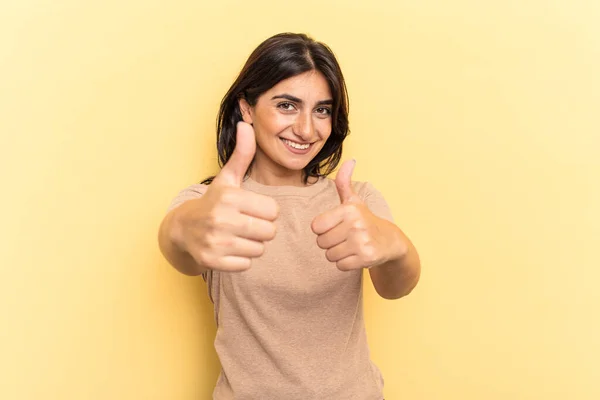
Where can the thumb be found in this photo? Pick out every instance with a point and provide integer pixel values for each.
(343, 182)
(235, 169)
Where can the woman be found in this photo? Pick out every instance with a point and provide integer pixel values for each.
(281, 246)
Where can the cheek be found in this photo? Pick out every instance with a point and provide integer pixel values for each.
(323, 128)
(273, 122)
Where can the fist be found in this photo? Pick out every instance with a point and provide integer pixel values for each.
(351, 235)
(228, 226)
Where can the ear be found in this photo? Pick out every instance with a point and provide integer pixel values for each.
(246, 110)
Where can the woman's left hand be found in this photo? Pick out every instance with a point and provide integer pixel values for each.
(351, 234)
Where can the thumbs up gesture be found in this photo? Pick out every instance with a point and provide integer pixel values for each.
(351, 234)
(227, 226)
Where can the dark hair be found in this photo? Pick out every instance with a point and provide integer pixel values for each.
(281, 57)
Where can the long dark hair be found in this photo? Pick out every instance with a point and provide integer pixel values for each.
(280, 57)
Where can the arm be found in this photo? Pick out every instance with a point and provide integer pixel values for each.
(398, 276)
(360, 233)
(171, 245)
(220, 226)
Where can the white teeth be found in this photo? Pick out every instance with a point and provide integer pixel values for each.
(296, 145)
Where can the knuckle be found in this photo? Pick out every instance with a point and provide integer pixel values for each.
(358, 224)
(225, 242)
(229, 197)
(220, 221)
(217, 243)
(205, 258)
(211, 240)
(359, 237)
(351, 210)
(215, 220)
(369, 255)
(247, 223)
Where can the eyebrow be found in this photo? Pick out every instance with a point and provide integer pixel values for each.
(299, 101)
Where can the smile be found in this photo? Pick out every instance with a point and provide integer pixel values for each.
(297, 146)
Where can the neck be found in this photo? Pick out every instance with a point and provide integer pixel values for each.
(267, 172)
(272, 177)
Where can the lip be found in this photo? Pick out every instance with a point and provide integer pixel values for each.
(296, 151)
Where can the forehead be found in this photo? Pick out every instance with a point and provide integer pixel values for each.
(308, 86)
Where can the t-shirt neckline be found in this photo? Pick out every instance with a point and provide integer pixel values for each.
(286, 190)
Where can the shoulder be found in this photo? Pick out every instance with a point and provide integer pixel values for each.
(373, 198)
(189, 193)
(365, 190)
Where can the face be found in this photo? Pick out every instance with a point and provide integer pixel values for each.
(292, 122)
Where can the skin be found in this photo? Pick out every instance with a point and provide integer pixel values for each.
(305, 120)
(298, 109)
(227, 227)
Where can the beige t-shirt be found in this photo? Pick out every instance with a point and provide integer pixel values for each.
(291, 327)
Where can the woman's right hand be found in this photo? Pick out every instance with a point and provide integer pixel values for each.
(228, 226)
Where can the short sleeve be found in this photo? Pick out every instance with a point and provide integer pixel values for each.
(191, 192)
(374, 200)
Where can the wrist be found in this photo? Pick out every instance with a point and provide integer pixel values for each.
(398, 249)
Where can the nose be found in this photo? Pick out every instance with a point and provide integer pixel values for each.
(303, 126)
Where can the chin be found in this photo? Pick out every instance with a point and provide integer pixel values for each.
(294, 166)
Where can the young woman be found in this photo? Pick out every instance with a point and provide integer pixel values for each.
(281, 246)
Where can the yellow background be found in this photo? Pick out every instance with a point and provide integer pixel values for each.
(477, 120)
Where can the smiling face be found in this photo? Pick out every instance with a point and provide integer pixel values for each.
(292, 122)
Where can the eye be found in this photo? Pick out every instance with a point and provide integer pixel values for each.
(324, 111)
(285, 106)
